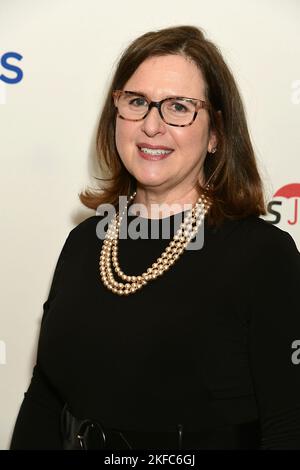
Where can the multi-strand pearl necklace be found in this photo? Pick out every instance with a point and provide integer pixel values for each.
(109, 252)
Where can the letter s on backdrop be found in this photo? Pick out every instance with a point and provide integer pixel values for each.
(6, 65)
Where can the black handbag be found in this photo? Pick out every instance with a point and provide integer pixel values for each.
(87, 434)
(81, 434)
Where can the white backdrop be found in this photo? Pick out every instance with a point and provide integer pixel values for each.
(67, 50)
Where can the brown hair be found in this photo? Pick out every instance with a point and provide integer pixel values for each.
(235, 185)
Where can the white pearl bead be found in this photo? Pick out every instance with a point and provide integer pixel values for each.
(109, 251)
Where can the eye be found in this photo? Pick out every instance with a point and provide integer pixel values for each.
(138, 101)
(177, 107)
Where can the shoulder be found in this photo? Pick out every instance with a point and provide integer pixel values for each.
(86, 226)
(256, 243)
(84, 232)
(271, 251)
(253, 231)
(263, 258)
(263, 235)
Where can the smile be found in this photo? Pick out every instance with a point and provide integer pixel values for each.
(155, 151)
(153, 154)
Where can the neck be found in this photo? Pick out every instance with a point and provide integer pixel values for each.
(155, 205)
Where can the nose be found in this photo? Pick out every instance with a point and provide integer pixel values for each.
(153, 123)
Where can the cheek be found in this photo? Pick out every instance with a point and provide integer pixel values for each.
(191, 142)
(119, 136)
(124, 133)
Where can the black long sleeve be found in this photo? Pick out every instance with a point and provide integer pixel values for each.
(275, 325)
(207, 344)
(38, 422)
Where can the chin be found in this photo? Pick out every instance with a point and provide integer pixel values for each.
(150, 180)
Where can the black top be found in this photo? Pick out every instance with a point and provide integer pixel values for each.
(208, 343)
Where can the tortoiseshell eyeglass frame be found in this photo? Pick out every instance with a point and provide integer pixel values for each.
(199, 104)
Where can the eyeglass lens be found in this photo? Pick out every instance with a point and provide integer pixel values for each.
(174, 111)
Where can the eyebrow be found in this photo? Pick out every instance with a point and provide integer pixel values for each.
(140, 93)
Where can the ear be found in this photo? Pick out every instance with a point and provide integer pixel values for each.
(213, 141)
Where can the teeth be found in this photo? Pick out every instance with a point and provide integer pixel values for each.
(155, 151)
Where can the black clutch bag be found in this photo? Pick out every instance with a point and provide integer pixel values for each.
(81, 434)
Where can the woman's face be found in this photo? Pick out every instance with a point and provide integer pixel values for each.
(158, 78)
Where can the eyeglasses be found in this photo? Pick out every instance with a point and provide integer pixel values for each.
(175, 111)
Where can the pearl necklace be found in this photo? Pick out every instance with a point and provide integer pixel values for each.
(186, 232)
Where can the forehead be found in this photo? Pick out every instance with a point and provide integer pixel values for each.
(160, 76)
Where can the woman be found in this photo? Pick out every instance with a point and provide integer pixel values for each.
(153, 342)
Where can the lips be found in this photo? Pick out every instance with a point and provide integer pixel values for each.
(150, 146)
(153, 152)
